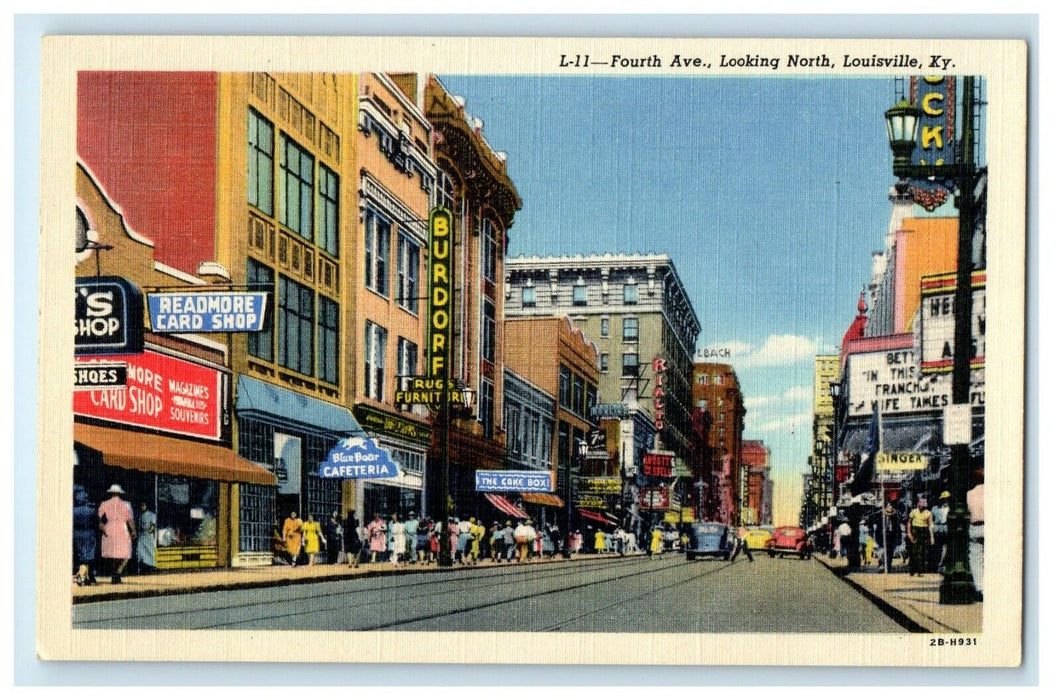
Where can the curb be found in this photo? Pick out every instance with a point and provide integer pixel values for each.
(110, 596)
(886, 608)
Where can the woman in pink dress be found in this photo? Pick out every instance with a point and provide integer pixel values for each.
(118, 527)
(376, 537)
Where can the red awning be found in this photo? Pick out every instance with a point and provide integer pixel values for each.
(591, 515)
(543, 499)
(507, 507)
(148, 452)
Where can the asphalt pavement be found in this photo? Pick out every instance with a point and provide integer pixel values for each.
(589, 594)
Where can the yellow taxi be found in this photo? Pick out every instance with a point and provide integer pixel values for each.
(758, 538)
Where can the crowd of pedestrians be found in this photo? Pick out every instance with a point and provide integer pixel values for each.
(917, 536)
(104, 537)
(420, 541)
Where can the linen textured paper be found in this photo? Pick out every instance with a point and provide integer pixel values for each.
(663, 351)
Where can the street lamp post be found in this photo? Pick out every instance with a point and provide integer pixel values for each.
(583, 450)
(835, 390)
(957, 587)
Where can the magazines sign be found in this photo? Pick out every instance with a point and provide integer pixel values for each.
(162, 393)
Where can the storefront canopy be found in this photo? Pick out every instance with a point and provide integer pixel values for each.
(257, 397)
(148, 452)
(543, 499)
(507, 507)
(594, 516)
(923, 436)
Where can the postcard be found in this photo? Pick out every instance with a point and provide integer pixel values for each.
(552, 350)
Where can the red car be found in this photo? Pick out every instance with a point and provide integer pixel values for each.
(789, 540)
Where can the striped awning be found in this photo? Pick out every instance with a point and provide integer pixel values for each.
(542, 499)
(507, 507)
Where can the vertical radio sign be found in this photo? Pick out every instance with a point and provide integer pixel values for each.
(440, 330)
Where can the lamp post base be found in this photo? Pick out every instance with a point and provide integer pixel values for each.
(957, 589)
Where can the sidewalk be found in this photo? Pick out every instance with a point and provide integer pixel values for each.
(912, 601)
(177, 582)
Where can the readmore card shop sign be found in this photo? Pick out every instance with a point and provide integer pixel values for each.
(162, 393)
(358, 458)
(207, 312)
(527, 481)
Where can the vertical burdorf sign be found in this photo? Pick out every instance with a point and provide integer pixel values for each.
(440, 307)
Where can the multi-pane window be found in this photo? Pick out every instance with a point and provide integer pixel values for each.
(489, 331)
(296, 196)
(717, 379)
(701, 379)
(580, 296)
(579, 395)
(408, 273)
(328, 211)
(294, 326)
(485, 407)
(374, 361)
(630, 329)
(489, 250)
(376, 251)
(605, 327)
(590, 398)
(564, 386)
(407, 357)
(444, 193)
(328, 340)
(629, 294)
(259, 162)
(630, 364)
(605, 360)
(259, 278)
(563, 445)
(529, 296)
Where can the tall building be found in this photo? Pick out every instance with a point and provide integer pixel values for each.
(717, 389)
(635, 309)
(473, 184)
(819, 493)
(756, 486)
(396, 178)
(246, 180)
(551, 353)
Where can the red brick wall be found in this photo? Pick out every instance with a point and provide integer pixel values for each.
(151, 140)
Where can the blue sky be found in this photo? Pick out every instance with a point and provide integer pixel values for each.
(769, 194)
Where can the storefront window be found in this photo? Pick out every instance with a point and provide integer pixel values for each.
(187, 512)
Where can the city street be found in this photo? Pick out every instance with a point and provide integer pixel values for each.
(632, 594)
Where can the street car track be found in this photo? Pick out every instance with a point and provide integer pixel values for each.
(554, 591)
(461, 580)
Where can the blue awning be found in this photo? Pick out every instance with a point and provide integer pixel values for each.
(256, 397)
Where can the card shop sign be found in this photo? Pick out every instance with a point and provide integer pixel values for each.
(108, 317)
(161, 392)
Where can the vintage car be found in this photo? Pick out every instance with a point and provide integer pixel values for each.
(758, 539)
(708, 540)
(789, 540)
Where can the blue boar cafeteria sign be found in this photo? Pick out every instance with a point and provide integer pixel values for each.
(358, 458)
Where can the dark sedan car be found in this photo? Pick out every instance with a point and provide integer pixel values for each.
(708, 540)
(789, 540)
